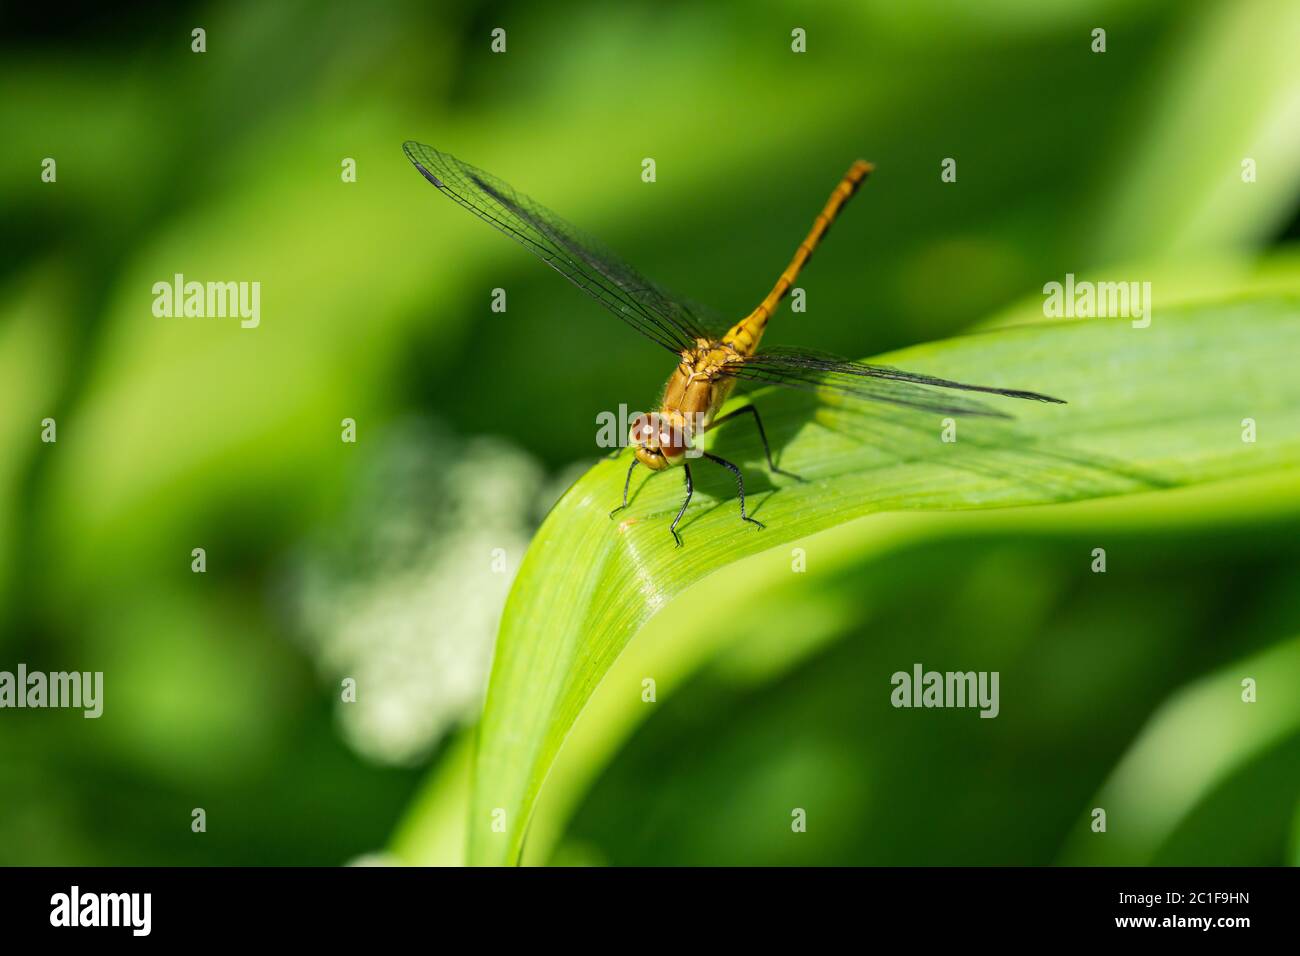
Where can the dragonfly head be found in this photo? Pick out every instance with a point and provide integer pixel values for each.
(658, 442)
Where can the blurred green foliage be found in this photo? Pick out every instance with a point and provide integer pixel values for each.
(1084, 665)
(176, 434)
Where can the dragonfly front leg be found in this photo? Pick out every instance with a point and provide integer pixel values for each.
(740, 487)
(690, 489)
(762, 435)
(627, 483)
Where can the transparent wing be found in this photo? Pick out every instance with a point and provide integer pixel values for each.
(650, 309)
(799, 368)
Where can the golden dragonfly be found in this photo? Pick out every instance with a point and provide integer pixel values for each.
(711, 360)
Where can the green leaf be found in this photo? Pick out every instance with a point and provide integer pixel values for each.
(783, 620)
(1150, 408)
(433, 832)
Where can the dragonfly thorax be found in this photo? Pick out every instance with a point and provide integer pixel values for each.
(701, 382)
(696, 390)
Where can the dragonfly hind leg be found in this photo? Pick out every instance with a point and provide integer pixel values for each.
(740, 489)
(767, 449)
(690, 490)
(627, 483)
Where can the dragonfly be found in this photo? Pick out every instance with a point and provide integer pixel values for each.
(712, 358)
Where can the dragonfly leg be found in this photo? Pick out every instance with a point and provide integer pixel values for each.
(626, 485)
(767, 449)
(740, 487)
(690, 489)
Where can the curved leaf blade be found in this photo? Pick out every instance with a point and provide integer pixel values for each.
(1152, 408)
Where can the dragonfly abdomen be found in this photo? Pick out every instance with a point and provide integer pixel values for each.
(745, 335)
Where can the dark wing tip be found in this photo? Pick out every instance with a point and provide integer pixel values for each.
(416, 152)
(1039, 397)
(1007, 392)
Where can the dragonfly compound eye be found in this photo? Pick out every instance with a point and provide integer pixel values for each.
(669, 439)
(643, 430)
(658, 435)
